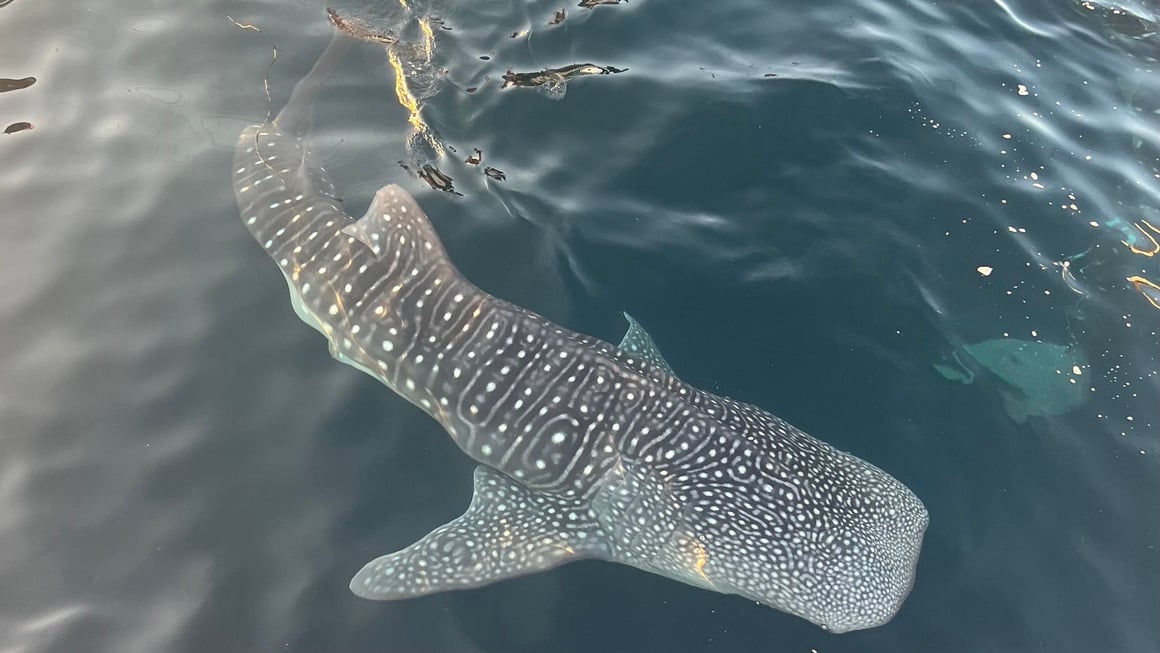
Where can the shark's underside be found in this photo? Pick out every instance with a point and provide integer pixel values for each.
(586, 449)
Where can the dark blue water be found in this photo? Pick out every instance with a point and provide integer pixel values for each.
(806, 205)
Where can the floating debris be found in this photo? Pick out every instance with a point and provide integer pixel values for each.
(471, 89)
(557, 75)
(1149, 289)
(558, 18)
(15, 84)
(589, 4)
(437, 179)
(358, 29)
(17, 127)
(495, 173)
(1121, 18)
(985, 270)
(243, 25)
(475, 158)
(1152, 247)
(1068, 277)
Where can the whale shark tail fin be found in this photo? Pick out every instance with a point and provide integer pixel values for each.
(297, 116)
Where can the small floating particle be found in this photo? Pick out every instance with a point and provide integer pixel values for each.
(1076, 370)
(1022, 90)
(472, 89)
(985, 270)
(475, 158)
(770, 75)
(17, 127)
(559, 17)
(495, 173)
(1007, 136)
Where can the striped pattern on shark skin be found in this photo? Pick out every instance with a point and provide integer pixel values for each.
(587, 449)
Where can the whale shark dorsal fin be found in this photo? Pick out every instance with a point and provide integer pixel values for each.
(639, 343)
(368, 231)
(394, 224)
(508, 530)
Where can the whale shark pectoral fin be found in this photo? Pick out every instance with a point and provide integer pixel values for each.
(301, 309)
(507, 531)
(639, 343)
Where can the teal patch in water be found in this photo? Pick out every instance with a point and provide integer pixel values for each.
(1035, 379)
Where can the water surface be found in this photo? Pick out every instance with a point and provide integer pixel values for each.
(807, 206)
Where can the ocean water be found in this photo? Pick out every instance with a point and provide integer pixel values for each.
(923, 232)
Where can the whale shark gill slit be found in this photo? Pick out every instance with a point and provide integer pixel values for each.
(585, 449)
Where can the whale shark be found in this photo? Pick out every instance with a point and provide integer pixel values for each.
(585, 449)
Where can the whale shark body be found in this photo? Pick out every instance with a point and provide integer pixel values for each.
(586, 449)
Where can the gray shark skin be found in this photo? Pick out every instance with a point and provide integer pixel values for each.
(586, 449)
